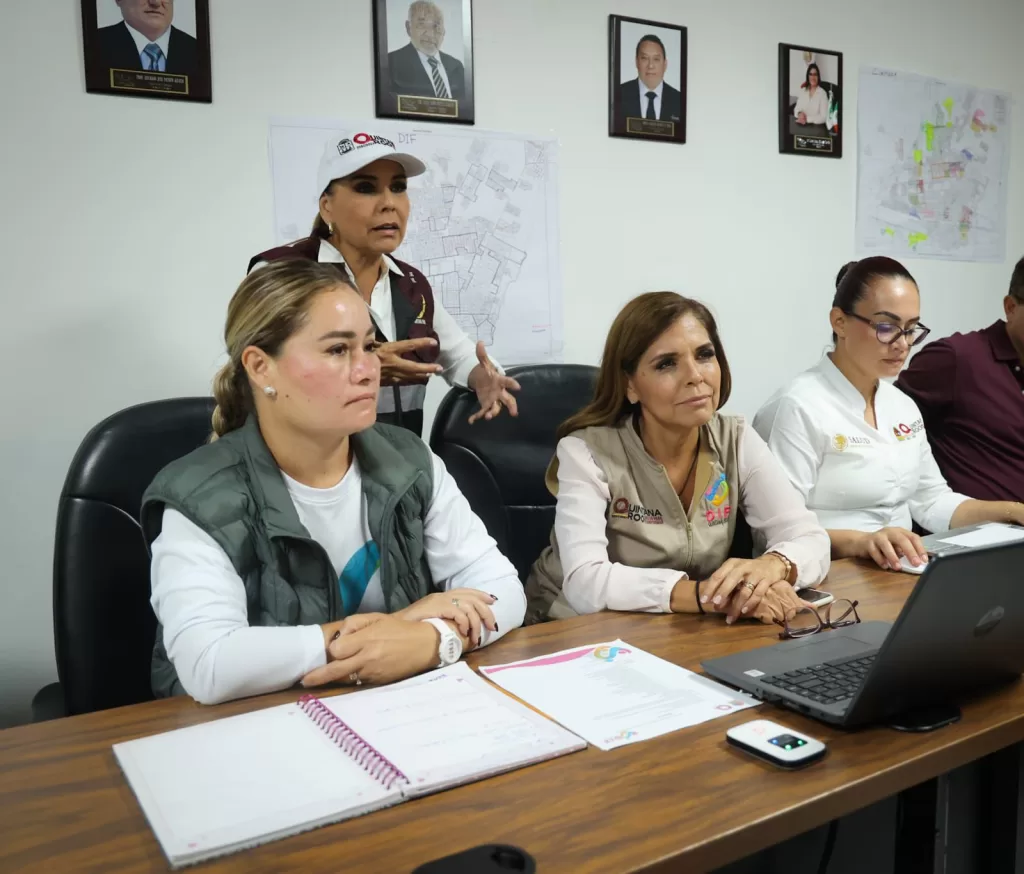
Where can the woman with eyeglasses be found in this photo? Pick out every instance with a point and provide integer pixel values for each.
(853, 444)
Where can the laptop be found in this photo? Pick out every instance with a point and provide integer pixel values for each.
(985, 534)
(961, 630)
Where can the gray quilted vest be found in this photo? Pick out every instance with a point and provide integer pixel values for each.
(233, 490)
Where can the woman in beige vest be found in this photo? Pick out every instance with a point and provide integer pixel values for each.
(649, 479)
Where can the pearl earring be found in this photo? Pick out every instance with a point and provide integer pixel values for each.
(270, 391)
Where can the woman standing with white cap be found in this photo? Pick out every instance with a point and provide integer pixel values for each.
(364, 211)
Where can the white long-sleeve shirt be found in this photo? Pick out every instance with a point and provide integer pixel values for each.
(853, 476)
(592, 582)
(814, 106)
(200, 599)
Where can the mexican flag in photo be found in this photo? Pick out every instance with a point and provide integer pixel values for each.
(832, 121)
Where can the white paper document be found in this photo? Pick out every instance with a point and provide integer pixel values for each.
(986, 535)
(613, 694)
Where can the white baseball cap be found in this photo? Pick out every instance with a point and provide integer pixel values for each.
(346, 153)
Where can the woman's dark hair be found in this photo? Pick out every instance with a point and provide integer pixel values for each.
(641, 322)
(807, 77)
(320, 228)
(854, 280)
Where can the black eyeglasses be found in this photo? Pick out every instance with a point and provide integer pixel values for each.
(888, 333)
(807, 621)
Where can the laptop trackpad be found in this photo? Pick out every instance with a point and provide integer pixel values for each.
(812, 651)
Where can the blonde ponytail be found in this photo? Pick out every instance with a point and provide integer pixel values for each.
(234, 400)
(269, 306)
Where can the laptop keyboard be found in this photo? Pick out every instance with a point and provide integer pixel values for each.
(828, 683)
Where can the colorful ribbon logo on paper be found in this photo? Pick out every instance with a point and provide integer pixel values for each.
(608, 653)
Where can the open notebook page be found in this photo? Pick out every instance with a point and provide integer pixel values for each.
(233, 783)
(450, 727)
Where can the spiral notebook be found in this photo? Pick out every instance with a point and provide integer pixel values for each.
(234, 783)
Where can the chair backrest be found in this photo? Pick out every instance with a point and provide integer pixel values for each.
(104, 627)
(499, 465)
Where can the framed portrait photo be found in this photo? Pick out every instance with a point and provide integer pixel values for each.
(810, 101)
(647, 79)
(423, 59)
(148, 48)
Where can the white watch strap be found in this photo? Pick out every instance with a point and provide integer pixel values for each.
(449, 642)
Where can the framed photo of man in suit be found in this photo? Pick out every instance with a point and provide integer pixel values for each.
(148, 48)
(424, 59)
(810, 101)
(647, 79)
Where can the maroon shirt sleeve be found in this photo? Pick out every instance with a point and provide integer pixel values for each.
(930, 379)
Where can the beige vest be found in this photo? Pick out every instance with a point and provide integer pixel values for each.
(647, 525)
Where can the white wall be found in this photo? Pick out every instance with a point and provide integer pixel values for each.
(129, 221)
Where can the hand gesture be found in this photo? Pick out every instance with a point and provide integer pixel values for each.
(395, 369)
(886, 546)
(469, 609)
(491, 387)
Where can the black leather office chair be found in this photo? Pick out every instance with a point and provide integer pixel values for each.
(499, 465)
(103, 625)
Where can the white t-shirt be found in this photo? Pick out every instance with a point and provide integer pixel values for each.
(854, 476)
(200, 599)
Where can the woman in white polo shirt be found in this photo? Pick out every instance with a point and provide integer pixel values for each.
(853, 444)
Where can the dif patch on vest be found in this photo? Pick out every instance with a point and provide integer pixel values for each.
(622, 509)
(717, 507)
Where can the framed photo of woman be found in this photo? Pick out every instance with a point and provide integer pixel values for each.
(810, 101)
(148, 48)
(647, 79)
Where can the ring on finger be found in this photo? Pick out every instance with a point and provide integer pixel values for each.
(749, 586)
(354, 678)
(455, 601)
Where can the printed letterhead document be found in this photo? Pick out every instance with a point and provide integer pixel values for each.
(613, 694)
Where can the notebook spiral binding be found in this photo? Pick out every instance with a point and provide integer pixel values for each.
(354, 746)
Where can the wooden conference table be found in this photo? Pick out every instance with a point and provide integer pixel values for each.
(684, 801)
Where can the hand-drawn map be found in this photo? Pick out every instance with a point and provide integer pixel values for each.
(932, 168)
(483, 225)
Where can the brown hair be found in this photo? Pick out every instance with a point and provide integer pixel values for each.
(320, 228)
(269, 306)
(636, 327)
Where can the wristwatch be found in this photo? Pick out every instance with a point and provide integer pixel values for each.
(450, 649)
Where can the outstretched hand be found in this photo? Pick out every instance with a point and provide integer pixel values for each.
(492, 388)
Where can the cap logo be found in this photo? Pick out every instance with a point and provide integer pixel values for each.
(372, 139)
(345, 146)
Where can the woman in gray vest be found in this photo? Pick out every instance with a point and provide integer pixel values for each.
(362, 219)
(304, 542)
(650, 478)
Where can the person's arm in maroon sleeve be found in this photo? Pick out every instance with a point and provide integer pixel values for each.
(930, 379)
